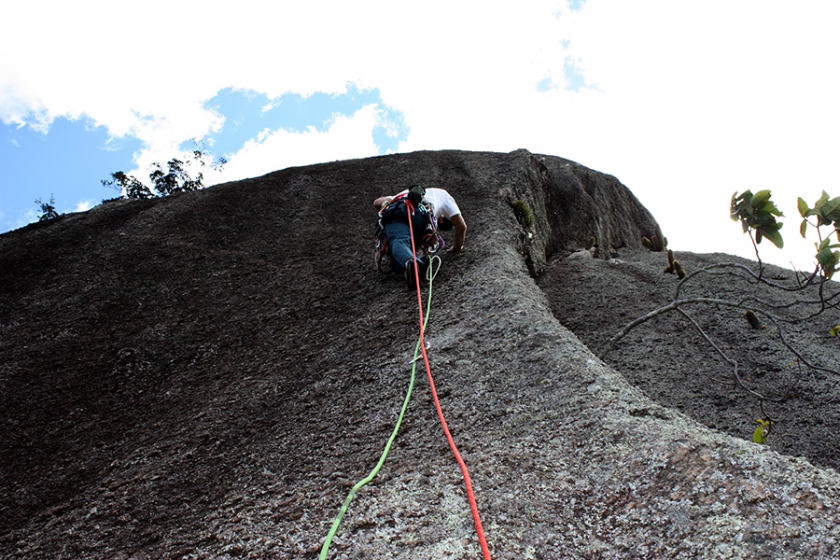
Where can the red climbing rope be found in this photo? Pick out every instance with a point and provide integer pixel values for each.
(485, 552)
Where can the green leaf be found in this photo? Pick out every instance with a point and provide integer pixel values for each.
(773, 235)
(831, 209)
(760, 198)
(803, 207)
(835, 331)
(761, 433)
(757, 212)
(828, 260)
(828, 211)
(736, 207)
(803, 229)
(823, 199)
(770, 208)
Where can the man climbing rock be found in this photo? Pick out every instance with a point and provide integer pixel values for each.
(394, 219)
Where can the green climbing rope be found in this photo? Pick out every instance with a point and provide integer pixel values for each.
(325, 549)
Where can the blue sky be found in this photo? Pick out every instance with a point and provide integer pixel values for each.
(67, 161)
(247, 114)
(70, 157)
(684, 102)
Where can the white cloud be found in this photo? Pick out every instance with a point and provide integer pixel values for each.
(85, 205)
(347, 137)
(29, 217)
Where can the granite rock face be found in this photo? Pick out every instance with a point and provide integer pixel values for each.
(207, 375)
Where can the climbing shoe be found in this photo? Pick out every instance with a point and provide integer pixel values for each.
(423, 268)
(409, 275)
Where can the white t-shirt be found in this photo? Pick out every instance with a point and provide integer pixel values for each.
(442, 203)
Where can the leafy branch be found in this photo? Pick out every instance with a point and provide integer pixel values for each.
(174, 178)
(48, 211)
(758, 217)
(827, 213)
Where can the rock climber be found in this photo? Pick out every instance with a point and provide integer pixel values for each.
(394, 219)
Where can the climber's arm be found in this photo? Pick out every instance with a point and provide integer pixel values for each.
(380, 201)
(460, 233)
